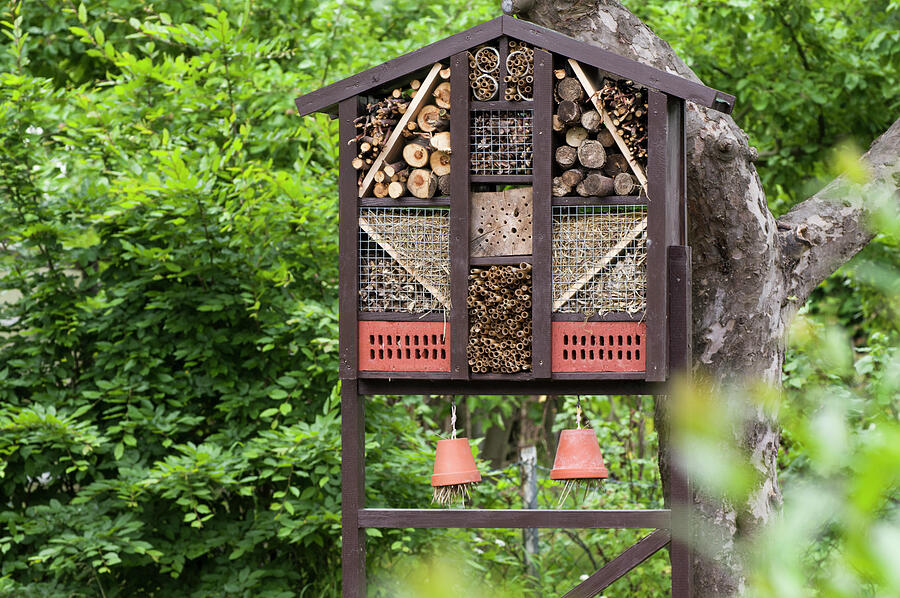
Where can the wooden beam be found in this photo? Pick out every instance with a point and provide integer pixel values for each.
(515, 518)
(353, 491)
(593, 94)
(617, 65)
(460, 204)
(542, 211)
(621, 565)
(348, 241)
(392, 147)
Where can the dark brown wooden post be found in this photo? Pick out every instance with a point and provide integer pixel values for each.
(680, 499)
(353, 468)
(542, 133)
(459, 215)
(503, 51)
(353, 490)
(661, 201)
(348, 241)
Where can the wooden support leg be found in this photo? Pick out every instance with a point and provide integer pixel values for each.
(621, 565)
(353, 491)
(680, 498)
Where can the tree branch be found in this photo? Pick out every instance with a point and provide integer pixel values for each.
(822, 233)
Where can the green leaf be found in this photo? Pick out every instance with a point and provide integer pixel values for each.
(82, 13)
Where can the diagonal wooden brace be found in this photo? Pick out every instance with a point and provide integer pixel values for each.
(621, 565)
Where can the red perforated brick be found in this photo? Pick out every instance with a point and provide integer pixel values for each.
(404, 346)
(599, 347)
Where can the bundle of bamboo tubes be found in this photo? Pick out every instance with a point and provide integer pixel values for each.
(519, 72)
(484, 73)
(499, 303)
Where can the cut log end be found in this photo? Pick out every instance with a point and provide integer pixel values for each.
(422, 183)
(591, 154)
(626, 184)
(576, 136)
(415, 155)
(440, 163)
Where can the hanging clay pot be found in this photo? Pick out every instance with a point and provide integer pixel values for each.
(455, 471)
(579, 460)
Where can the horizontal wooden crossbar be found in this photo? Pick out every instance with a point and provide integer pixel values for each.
(621, 565)
(515, 518)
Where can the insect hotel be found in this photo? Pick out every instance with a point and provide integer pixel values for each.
(512, 221)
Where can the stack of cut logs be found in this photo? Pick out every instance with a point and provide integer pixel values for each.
(499, 303)
(374, 127)
(424, 164)
(589, 160)
(627, 107)
(519, 72)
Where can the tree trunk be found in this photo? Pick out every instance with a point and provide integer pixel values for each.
(750, 273)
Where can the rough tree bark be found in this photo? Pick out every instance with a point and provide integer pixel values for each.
(751, 272)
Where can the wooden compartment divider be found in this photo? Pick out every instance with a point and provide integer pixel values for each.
(542, 155)
(459, 214)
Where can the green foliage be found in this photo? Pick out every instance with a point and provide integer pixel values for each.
(169, 416)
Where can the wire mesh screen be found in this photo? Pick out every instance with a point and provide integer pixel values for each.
(599, 259)
(500, 142)
(404, 260)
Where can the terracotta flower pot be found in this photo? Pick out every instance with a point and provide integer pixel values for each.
(454, 463)
(578, 457)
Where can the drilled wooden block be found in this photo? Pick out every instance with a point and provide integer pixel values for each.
(500, 223)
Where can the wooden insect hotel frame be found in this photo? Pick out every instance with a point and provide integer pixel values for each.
(513, 225)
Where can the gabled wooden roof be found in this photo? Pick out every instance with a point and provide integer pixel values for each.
(327, 98)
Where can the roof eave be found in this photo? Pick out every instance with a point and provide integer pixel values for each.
(326, 98)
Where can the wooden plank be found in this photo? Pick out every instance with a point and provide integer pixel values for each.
(501, 223)
(376, 316)
(604, 261)
(514, 518)
(607, 121)
(459, 214)
(392, 146)
(600, 383)
(401, 259)
(620, 566)
(326, 98)
(617, 65)
(680, 345)
(503, 51)
(353, 491)
(348, 241)
(503, 105)
(404, 202)
(610, 200)
(658, 240)
(542, 138)
(501, 178)
(617, 316)
(500, 260)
